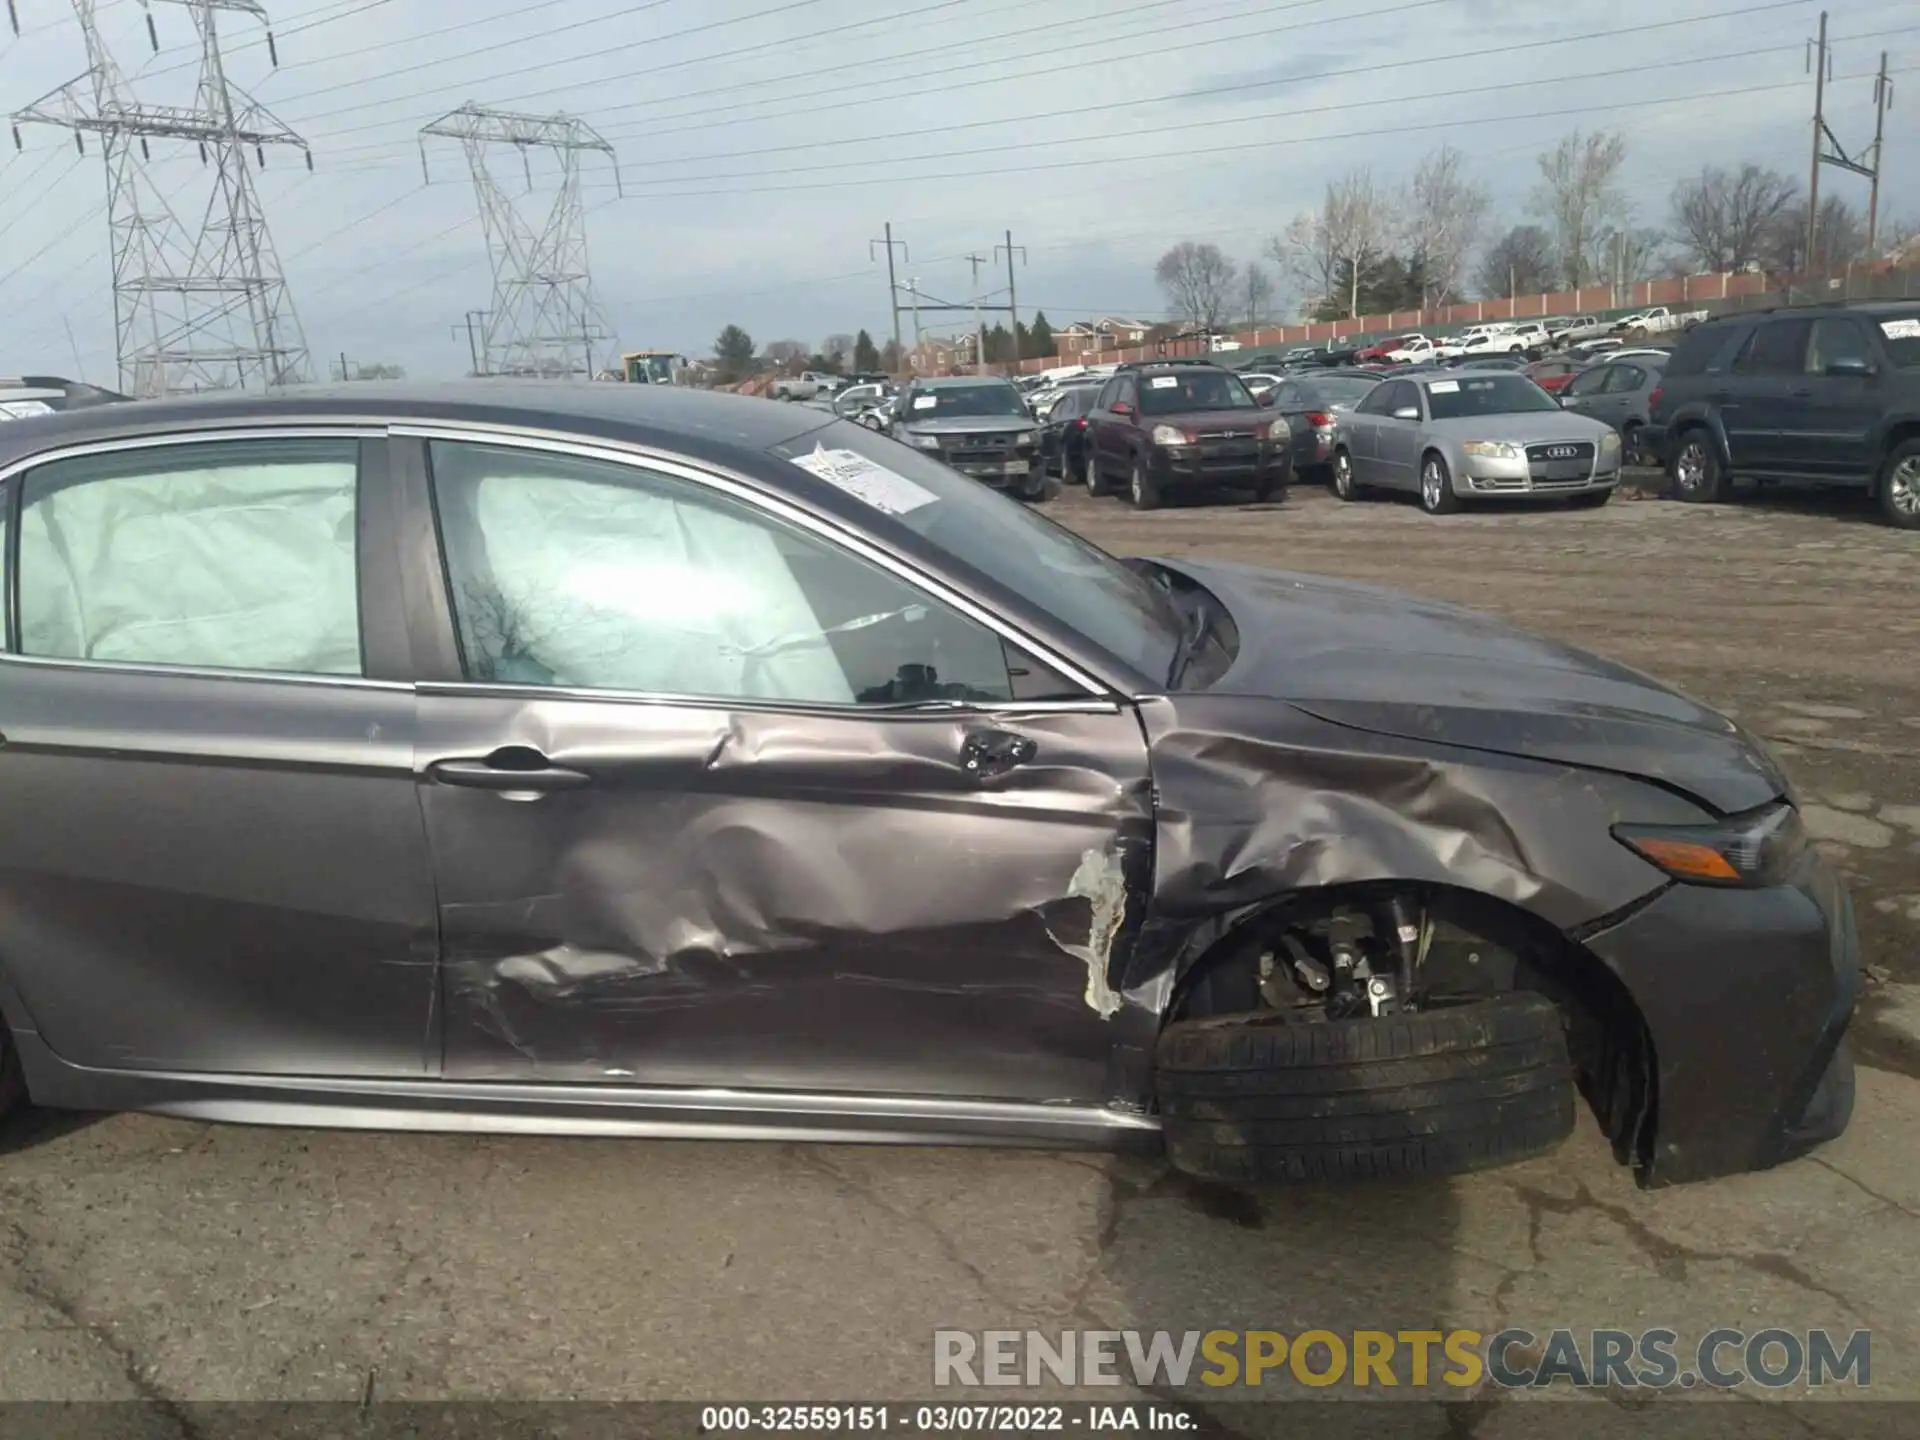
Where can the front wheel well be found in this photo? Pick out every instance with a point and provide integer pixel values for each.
(1498, 944)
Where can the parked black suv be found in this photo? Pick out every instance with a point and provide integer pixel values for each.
(1183, 424)
(1824, 393)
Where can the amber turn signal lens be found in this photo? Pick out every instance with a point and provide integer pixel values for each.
(1685, 859)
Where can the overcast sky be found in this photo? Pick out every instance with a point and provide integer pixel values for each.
(763, 144)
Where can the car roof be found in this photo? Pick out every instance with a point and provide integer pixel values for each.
(949, 382)
(711, 423)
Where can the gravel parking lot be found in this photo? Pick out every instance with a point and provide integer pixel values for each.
(165, 1259)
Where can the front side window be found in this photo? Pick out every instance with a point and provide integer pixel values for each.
(1592, 382)
(1837, 340)
(1625, 379)
(235, 555)
(592, 575)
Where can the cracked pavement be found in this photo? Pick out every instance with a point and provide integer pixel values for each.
(165, 1260)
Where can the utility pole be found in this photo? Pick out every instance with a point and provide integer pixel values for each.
(1882, 102)
(1013, 299)
(473, 339)
(893, 288)
(202, 307)
(1821, 64)
(541, 282)
(1827, 150)
(346, 374)
(979, 330)
(913, 291)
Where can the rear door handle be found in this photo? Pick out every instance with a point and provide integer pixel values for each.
(511, 767)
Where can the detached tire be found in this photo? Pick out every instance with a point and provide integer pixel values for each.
(1250, 1099)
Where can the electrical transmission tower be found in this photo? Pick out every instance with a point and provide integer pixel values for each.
(195, 307)
(545, 317)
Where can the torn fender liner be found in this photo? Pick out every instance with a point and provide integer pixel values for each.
(1100, 880)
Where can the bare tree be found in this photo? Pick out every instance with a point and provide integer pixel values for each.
(837, 348)
(1840, 239)
(1443, 213)
(1329, 250)
(1198, 280)
(1520, 262)
(787, 353)
(1723, 216)
(1580, 198)
(1256, 291)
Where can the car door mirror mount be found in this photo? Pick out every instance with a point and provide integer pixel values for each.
(1407, 412)
(1121, 407)
(1850, 366)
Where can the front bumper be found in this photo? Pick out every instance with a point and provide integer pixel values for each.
(1746, 995)
(1266, 463)
(1482, 476)
(1022, 473)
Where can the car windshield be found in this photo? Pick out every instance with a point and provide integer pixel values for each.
(1084, 588)
(1902, 334)
(1486, 395)
(957, 400)
(1340, 389)
(1190, 390)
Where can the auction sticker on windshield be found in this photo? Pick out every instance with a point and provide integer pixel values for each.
(1900, 329)
(1443, 387)
(925, 402)
(883, 489)
(1164, 382)
(21, 409)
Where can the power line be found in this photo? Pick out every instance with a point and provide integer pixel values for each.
(812, 74)
(1243, 120)
(520, 42)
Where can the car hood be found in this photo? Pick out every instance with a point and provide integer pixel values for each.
(966, 424)
(1396, 664)
(1529, 426)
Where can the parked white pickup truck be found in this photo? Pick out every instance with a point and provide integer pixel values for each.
(807, 385)
(1580, 327)
(1658, 320)
(1412, 350)
(1467, 341)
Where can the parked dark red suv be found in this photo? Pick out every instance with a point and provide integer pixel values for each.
(1184, 424)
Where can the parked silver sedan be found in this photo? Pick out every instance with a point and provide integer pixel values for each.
(1454, 435)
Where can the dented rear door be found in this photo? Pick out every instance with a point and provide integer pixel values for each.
(860, 866)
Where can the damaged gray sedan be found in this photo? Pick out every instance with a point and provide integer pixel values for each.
(584, 760)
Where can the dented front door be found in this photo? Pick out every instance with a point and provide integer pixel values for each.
(682, 894)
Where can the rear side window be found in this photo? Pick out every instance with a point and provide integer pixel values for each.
(237, 555)
(1777, 347)
(1699, 348)
(1836, 339)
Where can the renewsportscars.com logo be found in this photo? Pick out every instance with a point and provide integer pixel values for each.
(1513, 1358)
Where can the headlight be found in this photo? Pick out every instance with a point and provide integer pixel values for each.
(924, 442)
(1171, 435)
(1758, 848)
(1025, 437)
(1610, 443)
(1492, 449)
(1279, 430)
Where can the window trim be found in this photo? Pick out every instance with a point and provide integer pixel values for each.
(12, 475)
(1104, 696)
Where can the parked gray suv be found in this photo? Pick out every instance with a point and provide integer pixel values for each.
(1828, 394)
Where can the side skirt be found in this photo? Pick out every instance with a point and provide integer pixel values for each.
(495, 1108)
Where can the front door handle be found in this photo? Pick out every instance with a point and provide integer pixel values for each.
(511, 767)
(989, 753)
